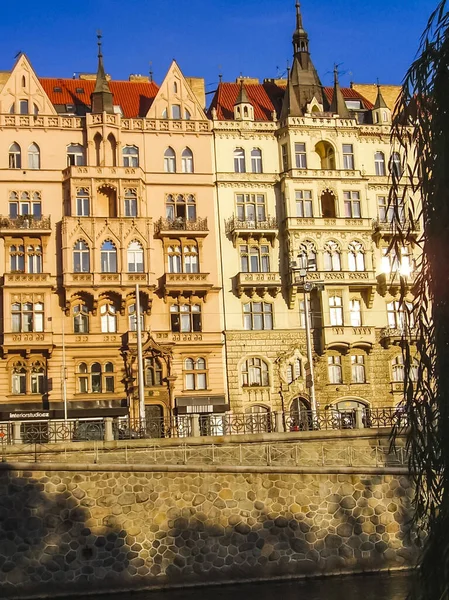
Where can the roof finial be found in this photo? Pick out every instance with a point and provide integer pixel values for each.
(151, 71)
(220, 74)
(99, 37)
(298, 16)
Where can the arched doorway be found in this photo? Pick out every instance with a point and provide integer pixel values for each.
(300, 415)
(258, 419)
(154, 421)
(328, 205)
(353, 413)
(326, 153)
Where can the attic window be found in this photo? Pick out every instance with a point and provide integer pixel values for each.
(58, 90)
(70, 107)
(353, 104)
(79, 90)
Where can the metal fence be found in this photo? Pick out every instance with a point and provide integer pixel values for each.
(46, 432)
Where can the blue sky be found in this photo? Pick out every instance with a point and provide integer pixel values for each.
(370, 39)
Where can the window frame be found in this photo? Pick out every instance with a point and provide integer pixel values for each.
(258, 316)
(195, 374)
(304, 204)
(348, 157)
(300, 155)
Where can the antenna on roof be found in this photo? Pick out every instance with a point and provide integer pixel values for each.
(18, 54)
(220, 74)
(151, 71)
(278, 72)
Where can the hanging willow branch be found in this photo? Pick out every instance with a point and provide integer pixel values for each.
(421, 134)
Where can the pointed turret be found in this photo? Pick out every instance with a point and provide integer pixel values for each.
(304, 89)
(101, 97)
(381, 112)
(338, 104)
(243, 108)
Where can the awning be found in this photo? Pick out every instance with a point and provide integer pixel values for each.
(201, 404)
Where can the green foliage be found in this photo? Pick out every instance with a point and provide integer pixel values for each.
(421, 134)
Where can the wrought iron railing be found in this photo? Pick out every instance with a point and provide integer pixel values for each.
(25, 222)
(197, 425)
(393, 226)
(180, 224)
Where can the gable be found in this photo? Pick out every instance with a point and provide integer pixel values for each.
(175, 99)
(23, 85)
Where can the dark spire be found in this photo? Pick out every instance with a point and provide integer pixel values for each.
(101, 97)
(380, 102)
(303, 84)
(242, 98)
(338, 104)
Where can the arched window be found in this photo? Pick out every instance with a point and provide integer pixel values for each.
(397, 369)
(294, 370)
(80, 319)
(108, 318)
(256, 160)
(355, 312)
(328, 209)
(169, 161)
(187, 161)
(239, 161)
(130, 156)
(95, 378)
(396, 165)
(19, 378)
(379, 163)
(75, 155)
(195, 375)
(130, 202)
(174, 258)
(190, 258)
(153, 372)
(356, 257)
(24, 107)
(182, 207)
(135, 257)
(255, 373)
(15, 156)
(37, 378)
(17, 258)
(81, 257)
(98, 141)
(176, 111)
(307, 256)
(132, 318)
(112, 151)
(326, 153)
(187, 115)
(332, 260)
(34, 259)
(83, 379)
(108, 257)
(34, 157)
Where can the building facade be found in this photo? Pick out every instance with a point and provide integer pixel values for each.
(229, 223)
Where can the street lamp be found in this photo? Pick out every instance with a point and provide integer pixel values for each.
(301, 267)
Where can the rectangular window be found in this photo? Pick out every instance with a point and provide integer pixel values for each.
(336, 311)
(303, 203)
(185, 318)
(355, 313)
(82, 207)
(300, 156)
(27, 317)
(284, 151)
(334, 369)
(251, 207)
(358, 369)
(348, 156)
(257, 316)
(352, 205)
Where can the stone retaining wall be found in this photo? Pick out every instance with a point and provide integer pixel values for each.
(66, 532)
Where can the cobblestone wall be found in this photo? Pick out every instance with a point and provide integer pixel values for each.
(63, 532)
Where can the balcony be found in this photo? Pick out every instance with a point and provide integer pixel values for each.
(191, 338)
(251, 283)
(28, 280)
(346, 337)
(268, 228)
(95, 280)
(335, 224)
(394, 335)
(179, 283)
(385, 229)
(84, 172)
(29, 340)
(167, 227)
(25, 224)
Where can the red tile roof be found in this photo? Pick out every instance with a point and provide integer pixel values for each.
(349, 94)
(134, 97)
(265, 98)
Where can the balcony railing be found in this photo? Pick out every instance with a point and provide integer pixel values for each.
(25, 222)
(267, 281)
(235, 225)
(178, 282)
(197, 225)
(394, 226)
(395, 334)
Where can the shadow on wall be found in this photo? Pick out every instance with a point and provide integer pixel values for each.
(116, 531)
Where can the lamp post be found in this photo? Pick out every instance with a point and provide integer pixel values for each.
(301, 267)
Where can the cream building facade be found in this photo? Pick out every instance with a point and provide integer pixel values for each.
(105, 185)
(303, 178)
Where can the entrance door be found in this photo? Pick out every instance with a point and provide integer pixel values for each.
(154, 421)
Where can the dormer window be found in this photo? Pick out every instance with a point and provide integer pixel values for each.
(79, 90)
(57, 90)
